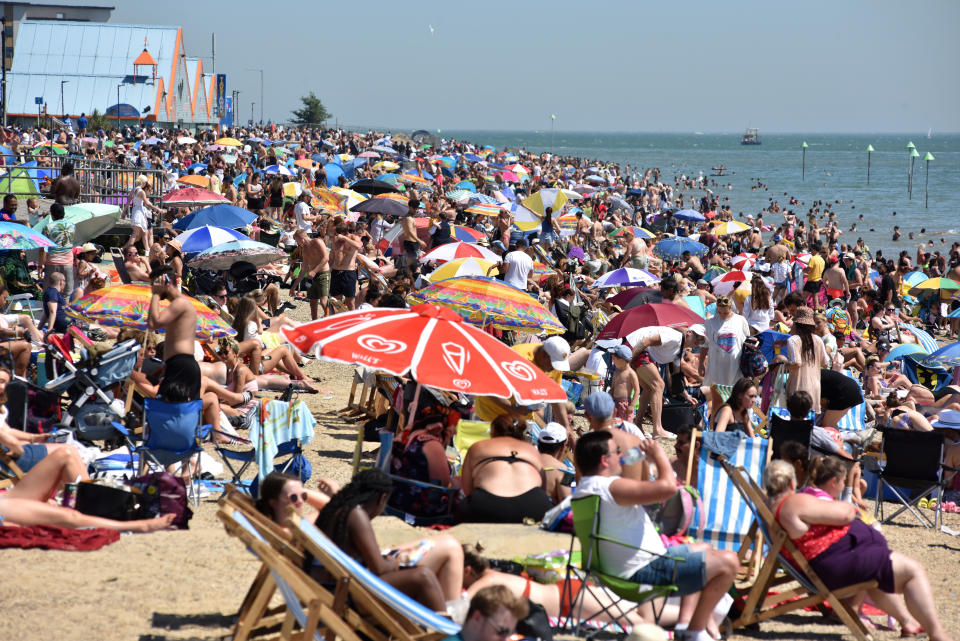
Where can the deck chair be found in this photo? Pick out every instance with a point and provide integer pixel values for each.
(778, 571)
(914, 461)
(117, 255)
(586, 527)
(10, 472)
(397, 615)
(308, 605)
(468, 433)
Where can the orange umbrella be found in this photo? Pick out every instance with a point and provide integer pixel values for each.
(306, 163)
(195, 180)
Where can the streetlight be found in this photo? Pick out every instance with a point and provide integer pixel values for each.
(869, 151)
(62, 112)
(803, 161)
(236, 106)
(251, 112)
(261, 94)
(927, 157)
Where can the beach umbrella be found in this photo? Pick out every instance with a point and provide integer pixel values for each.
(467, 185)
(186, 140)
(744, 261)
(467, 234)
(372, 186)
(198, 167)
(508, 176)
(292, 190)
(431, 344)
(89, 220)
(900, 351)
(127, 306)
(191, 197)
(349, 196)
(224, 255)
(672, 248)
(385, 150)
(386, 204)
(453, 251)
(935, 284)
(726, 283)
(414, 178)
(539, 201)
(228, 142)
(524, 219)
(386, 165)
(914, 278)
(204, 237)
(649, 314)
(713, 272)
(576, 252)
(636, 296)
(639, 232)
(279, 170)
(459, 195)
(369, 154)
(484, 209)
(730, 227)
(690, 215)
(17, 236)
(461, 267)
(195, 180)
(305, 163)
(626, 277)
(474, 199)
(46, 149)
(391, 179)
(490, 302)
(227, 216)
(472, 157)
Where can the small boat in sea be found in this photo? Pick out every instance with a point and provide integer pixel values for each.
(751, 136)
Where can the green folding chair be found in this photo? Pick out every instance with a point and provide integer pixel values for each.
(586, 528)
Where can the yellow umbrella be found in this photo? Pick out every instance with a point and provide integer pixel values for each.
(228, 142)
(352, 197)
(195, 180)
(330, 202)
(460, 267)
(525, 219)
(731, 227)
(386, 165)
(539, 201)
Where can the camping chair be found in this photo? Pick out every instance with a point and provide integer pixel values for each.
(117, 257)
(307, 603)
(586, 527)
(759, 604)
(24, 304)
(914, 461)
(394, 614)
(172, 433)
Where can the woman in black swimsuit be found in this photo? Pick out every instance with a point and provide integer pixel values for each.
(734, 415)
(502, 477)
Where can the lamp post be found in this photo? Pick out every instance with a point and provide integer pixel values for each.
(251, 112)
(261, 94)
(236, 105)
(62, 112)
(927, 157)
(914, 154)
(803, 161)
(869, 151)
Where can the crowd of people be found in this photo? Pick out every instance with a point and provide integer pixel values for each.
(831, 312)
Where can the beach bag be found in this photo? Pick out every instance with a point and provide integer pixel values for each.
(536, 625)
(674, 516)
(753, 364)
(107, 499)
(163, 493)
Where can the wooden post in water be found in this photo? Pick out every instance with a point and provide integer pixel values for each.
(869, 151)
(803, 161)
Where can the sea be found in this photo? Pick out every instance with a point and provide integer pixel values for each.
(836, 171)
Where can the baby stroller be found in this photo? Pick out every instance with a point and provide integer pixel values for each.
(92, 406)
(243, 278)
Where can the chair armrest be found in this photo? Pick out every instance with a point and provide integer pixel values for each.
(423, 484)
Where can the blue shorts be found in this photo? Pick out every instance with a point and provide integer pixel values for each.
(691, 573)
(33, 453)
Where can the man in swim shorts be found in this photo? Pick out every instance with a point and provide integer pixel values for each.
(181, 374)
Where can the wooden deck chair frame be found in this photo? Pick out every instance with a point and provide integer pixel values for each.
(385, 385)
(323, 609)
(390, 623)
(810, 590)
(14, 475)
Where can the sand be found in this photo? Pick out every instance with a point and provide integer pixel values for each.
(188, 584)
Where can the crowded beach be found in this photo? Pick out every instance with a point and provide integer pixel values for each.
(408, 386)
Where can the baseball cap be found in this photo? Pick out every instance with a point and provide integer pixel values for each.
(698, 329)
(849, 255)
(553, 433)
(559, 352)
(598, 405)
(622, 351)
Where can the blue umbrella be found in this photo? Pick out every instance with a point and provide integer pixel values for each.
(334, 171)
(673, 248)
(413, 172)
(278, 169)
(767, 340)
(472, 157)
(152, 140)
(689, 215)
(900, 351)
(386, 150)
(636, 192)
(626, 277)
(483, 199)
(226, 216)
(465, 184)
(318, 157)
(202, 238)
(198, 167)
(948, 351)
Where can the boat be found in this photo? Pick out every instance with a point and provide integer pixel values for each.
(751, 136)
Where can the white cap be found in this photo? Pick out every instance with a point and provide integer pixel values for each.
(559, 352)
(698, 329)
(553, 433)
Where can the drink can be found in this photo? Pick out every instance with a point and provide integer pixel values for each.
(69, 498)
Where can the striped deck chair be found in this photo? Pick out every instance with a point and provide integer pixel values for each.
(924, 339)
(856, 419)
(728, 517)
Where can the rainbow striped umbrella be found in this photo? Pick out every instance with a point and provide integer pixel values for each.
(127, 306)
(484, 209)
(542, 269)
(17, 236)
(460, 267)
(490, 302)
(639, 232)
(467, 234)
(414, 178)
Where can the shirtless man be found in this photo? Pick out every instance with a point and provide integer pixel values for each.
(136, 265)
(65, 189)
(835, 281)
(755, 243)
(635, 253)
(597, 233)
(583, 230)
(181, 372)
(316, 265)
(411, 240)
(776, 252)
(343, 264)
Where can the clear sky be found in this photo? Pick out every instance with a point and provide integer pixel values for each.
(632, 65)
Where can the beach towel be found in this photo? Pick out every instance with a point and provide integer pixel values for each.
(276, 423)
(52, 537)
(728, 517)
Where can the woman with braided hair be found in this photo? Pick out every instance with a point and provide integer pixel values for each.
(428, 570)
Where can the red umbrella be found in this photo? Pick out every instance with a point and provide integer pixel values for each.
(650, 314)
(192, 196)
(626, 297)
(431, 343)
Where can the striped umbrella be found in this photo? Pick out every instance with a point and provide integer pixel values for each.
(453, 251)
(484, 209)
(639, 232)
(458, 195)
(935, 284)
(467, 234)
(200, 238)
(414, 178)
(482, 198)
(539, 201)
(127, 306)
(490, 302)
(524, 219)
(730, 227)
(461, 267)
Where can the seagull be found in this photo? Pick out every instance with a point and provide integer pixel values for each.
(431, 29)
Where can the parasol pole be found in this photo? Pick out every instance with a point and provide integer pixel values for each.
(413, 408)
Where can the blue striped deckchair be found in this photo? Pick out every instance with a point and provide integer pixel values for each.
(856, 419)
(728, 517)
(925, 340)
(397, 613)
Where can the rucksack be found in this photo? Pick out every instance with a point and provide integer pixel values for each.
(753, 364)
(674, 516)
(163, 493)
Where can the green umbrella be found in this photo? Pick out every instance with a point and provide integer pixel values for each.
(89, 220)
(46, 149)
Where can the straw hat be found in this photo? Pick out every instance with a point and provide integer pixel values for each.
(803, 316)
(88, 247)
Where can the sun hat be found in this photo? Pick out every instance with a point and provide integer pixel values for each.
(803, 316)
(559, 351)
(552, 433)
(948, 420)
(88, 247)
(850, 256)
(598, 405)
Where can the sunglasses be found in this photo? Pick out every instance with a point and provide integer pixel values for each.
(298, 498)
(502, 631)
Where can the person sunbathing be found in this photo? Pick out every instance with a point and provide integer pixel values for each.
(843, 550)
(428, 570)
(279, 492)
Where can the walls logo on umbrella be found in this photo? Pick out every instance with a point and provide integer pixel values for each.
(379, 344)
(344, 323)
(455, 356)
(519, 369)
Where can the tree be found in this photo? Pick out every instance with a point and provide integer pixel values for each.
(96, 121)
(313, 111)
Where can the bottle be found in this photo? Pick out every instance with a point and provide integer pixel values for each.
(631, 456)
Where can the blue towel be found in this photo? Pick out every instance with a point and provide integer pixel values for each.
(723, 443)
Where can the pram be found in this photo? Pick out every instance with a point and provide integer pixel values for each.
(92, 406)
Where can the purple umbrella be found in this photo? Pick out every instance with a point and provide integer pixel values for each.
(576, 252)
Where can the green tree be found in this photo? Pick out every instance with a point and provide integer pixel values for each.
(96, 120)
(313, 111)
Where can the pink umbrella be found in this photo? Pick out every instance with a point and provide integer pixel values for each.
(369, 154)
(508, 176)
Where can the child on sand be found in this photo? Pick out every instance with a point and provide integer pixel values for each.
(625, 387)
(33, 211)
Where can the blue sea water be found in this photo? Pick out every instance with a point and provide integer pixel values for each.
(836, 169)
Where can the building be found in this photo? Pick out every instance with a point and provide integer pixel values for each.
(129, 72)
(16, 12)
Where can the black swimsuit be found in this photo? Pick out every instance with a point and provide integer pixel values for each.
(484, 507)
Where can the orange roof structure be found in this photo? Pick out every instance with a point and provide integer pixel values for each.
(145, 59)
